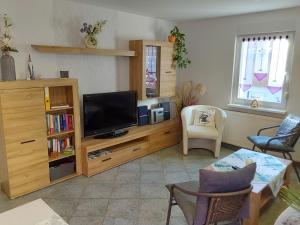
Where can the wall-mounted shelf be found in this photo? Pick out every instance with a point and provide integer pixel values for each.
(78, 51)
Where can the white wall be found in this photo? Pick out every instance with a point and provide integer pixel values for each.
(58, 22)
(211, 46)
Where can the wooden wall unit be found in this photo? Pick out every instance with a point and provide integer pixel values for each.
(24, 155)
(139, 142)
(166, 71)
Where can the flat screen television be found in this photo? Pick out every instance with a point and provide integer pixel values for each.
(107, 114)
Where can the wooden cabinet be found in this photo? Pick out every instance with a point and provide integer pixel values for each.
(152, 71)
(103, 154)
(24, 152)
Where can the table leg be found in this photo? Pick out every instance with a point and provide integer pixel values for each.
(255, 201)
(288, 174)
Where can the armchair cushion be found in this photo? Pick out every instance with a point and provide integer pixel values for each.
(275, 145)
(290, 125)
(194, 131)
(204, 117)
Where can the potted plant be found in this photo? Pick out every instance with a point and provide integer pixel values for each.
(90, 40)
(180, 54)
(7, 61)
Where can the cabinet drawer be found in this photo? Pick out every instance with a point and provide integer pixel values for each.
(26, 154)
(29, 179)
(165, 138)
(22, 98)
(117, 158)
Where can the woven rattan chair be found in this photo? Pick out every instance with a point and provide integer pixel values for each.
(222, 207)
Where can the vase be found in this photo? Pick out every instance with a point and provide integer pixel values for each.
(90, 41)
(8, 70)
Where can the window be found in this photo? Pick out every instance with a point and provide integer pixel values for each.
(262, 69)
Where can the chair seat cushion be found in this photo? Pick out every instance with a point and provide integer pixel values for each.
(187, 203)
(202, 132)
(275, 145)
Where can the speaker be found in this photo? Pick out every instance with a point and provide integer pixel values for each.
(167, 111)
(143, 117)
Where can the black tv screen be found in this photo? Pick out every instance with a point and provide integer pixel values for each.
(106, 112)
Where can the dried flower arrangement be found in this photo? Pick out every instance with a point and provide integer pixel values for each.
(6, 37)
(189, 94)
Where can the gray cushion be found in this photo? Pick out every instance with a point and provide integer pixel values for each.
(214, 182)
(291, 124)
(187, 203)
(275, 145)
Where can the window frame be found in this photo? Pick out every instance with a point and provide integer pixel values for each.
(234, 100)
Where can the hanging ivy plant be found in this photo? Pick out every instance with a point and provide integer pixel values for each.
(180, 55)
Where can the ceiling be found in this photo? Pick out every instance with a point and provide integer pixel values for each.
(177, 10)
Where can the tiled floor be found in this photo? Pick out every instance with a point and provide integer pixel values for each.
(132, 194)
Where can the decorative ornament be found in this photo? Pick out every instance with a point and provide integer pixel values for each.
(254, 103)
(30, 75)
(90, 40)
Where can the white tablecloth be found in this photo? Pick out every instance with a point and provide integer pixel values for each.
(289, 216)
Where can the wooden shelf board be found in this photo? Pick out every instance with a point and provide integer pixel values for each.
(64, 178)
(60, 156)
(60, 134)
(77, 50)
(60, 109)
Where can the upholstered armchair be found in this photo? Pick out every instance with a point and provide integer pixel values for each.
(195, 136)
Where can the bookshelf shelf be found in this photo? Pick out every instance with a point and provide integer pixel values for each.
(59, 109)
(64, 178)
(61, 134)
(60, 156)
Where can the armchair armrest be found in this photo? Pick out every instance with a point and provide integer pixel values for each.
(211, 195)
(266, 128)
(279, 137)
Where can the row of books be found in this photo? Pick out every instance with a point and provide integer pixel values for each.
(59, 123)
(60, 145)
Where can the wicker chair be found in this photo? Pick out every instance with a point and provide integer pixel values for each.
(222, 207)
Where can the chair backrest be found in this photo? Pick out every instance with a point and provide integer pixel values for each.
(226, 206)
(290, 125)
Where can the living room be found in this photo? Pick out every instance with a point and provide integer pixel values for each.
(131, 188)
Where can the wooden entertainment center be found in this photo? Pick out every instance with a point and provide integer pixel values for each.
(139, 141)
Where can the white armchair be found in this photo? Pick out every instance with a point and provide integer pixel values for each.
(200, 136)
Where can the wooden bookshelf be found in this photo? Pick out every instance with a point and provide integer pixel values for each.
(60, 109)
(60, 156)
(80, 51)
(64, 133)
(22, 107)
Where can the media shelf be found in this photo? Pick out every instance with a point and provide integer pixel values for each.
(103, 154)
(60, 134)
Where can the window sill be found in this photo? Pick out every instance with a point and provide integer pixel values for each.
(277, 113)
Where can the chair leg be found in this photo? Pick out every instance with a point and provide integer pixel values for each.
(253, 148)
(284, 155)
(169, 209)
(295, 167)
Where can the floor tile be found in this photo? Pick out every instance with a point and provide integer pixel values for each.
(122, 211)
(176, 177)
(153, 211)
(64, 207)
(104, 177)
(128, 177)
(91, 207)
(98, 190)
(86, 220)
(150, 177)
(153, 191)
(125, 191)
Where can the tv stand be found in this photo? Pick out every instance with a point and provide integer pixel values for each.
(99, 155)
(115, 133)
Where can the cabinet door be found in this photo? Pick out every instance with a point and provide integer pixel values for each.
(167, 73)
(25, 131)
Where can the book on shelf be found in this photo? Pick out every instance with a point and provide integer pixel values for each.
(59, 123)
(62, 146)
(47, 99)
(60, 106)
